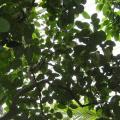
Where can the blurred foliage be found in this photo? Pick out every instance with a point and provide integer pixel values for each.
(50, 64)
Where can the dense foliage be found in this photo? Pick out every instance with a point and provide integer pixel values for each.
(50, 63)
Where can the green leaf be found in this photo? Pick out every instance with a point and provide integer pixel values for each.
(110, 43)
(37, 24)
(106, 10)
(101, 35)
(69, 113)
(99, 6)
(82, 25)
(61, 106)
(80, 8)
(59, 115)
(73, 106)
(98, 36)
(85, 15)
(4, 25)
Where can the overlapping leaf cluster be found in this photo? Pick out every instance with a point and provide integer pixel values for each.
(111, 22)
(58, 67)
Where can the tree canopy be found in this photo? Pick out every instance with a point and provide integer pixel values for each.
(52, 64)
